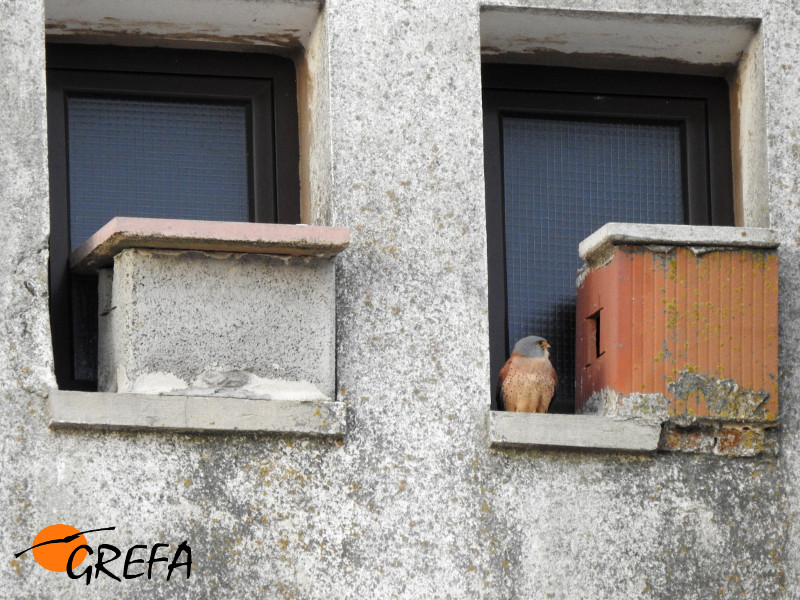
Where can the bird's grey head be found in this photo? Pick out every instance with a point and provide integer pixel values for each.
(533, 347)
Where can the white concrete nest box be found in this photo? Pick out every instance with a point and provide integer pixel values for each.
(215, 308)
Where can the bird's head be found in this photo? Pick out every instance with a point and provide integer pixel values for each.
(533, 347)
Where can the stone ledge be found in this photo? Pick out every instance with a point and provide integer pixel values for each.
(641, 234)
(531, 430)
(145, 412)
(121, 233)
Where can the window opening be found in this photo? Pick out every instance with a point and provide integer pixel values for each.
(568, 151)
(146, 132)
(595, 334)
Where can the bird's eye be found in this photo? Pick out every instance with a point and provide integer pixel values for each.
(541, 343)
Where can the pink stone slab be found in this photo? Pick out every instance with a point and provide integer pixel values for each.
(121, 233)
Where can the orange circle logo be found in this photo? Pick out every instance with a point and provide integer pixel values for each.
(57, 543)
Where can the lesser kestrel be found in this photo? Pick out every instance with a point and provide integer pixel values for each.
(528, 380)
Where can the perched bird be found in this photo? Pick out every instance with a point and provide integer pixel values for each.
(528, 380)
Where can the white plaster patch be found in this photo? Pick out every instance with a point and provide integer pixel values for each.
(234, 383)
(156, 383)
(648, 408)
(228, 383)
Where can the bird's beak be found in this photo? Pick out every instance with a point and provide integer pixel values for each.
(546, 345)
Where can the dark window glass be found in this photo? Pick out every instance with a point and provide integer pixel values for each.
(567, 151)
(147, 132)
(563, 179)
(145, 158)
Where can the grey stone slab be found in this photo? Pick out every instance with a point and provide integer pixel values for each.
(641, 234)
(99, 410)
(121, 233)
(532, 430)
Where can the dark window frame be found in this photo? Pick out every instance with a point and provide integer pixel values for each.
(265, 84)
(699, 104)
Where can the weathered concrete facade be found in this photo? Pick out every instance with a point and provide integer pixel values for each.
(413, 502)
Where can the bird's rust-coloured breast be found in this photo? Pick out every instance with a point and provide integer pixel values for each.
(527, 384)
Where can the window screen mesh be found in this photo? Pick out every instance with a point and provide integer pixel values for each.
(563, 179)
(143, 158)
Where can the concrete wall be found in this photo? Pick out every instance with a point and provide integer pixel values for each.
(413, 503)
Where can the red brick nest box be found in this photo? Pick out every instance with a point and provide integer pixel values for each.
(687, 312)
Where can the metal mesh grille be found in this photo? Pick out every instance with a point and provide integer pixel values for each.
(563, 179)
(143, 158)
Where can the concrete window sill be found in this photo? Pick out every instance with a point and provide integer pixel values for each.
(145, 412)
(589, 432)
